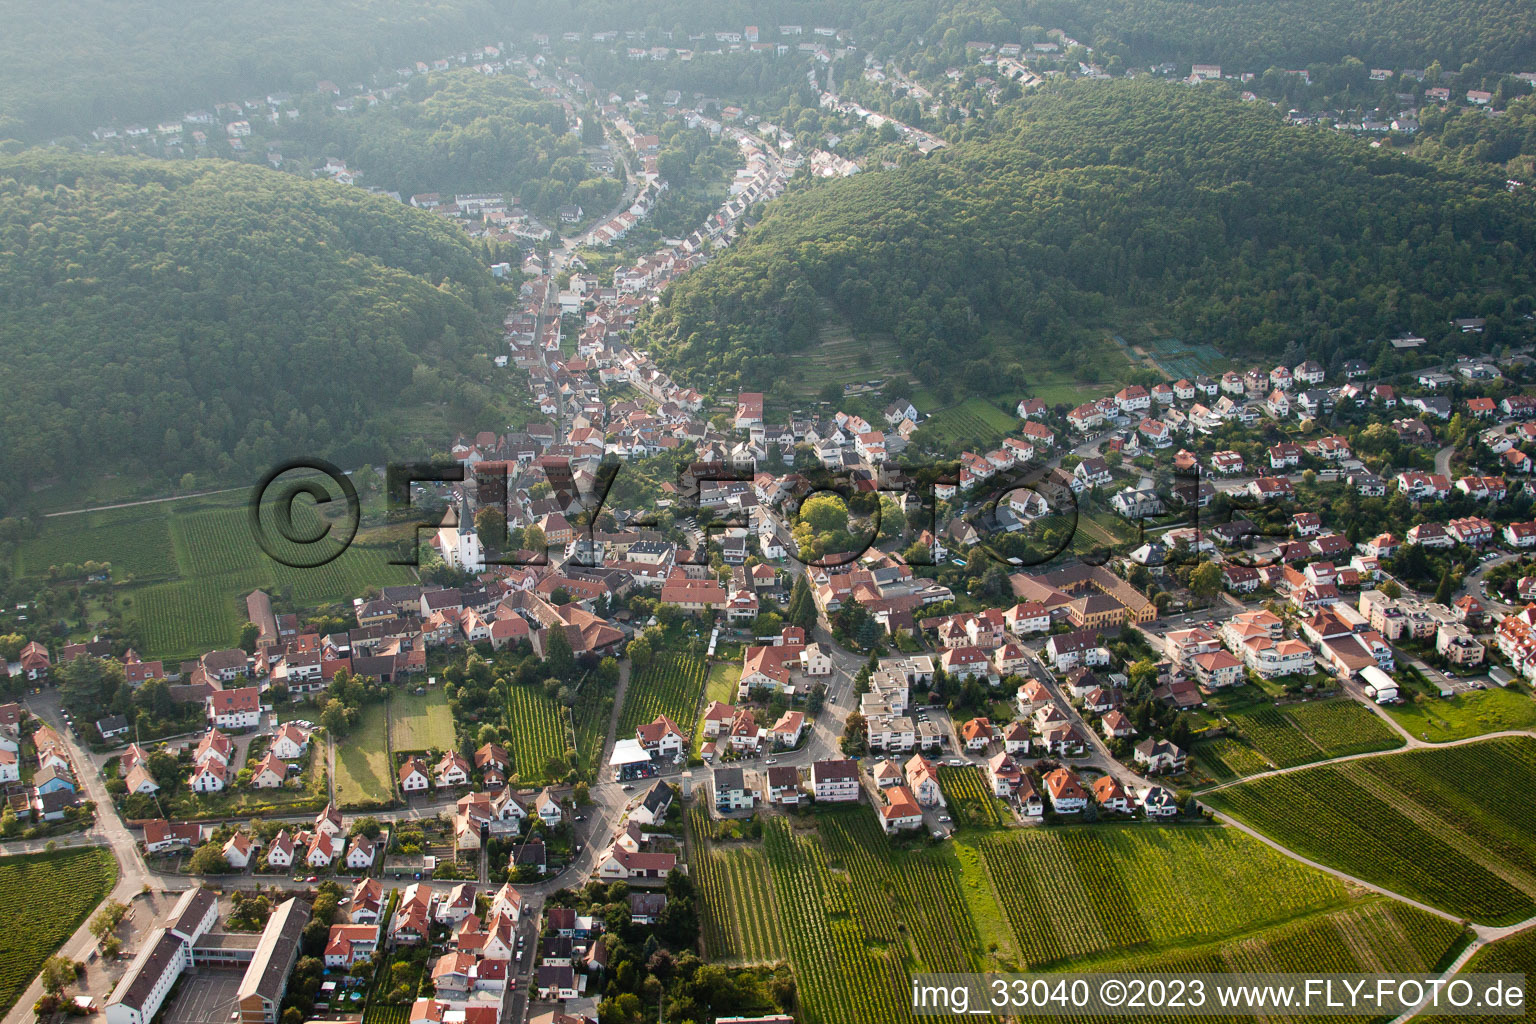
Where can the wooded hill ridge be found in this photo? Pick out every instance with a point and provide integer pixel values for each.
(461, 131)
(68, 65)
(1104, 203)
(160, 318)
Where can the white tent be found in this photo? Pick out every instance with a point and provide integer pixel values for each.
(1378, 684)
(628, 752)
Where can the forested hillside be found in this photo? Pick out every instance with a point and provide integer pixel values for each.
(67, 65)
(1256, 34)
(207, 317)
(1107, 204)
(1467, 136)
(462, 131)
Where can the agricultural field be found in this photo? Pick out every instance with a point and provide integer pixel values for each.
(1449, 827)
(363, 772)
(1375, 935)
(969, 798)
(43, 898)
(421, 721)
(670, 685)
(973, 421)
(1186, 359)
(840, 357)
(137, 541)
(1079, 893)
(857, 914)
(853, 938)
(591, 715)
(1297, 734)
(1225, 758)
(189, 617)
(387, 1013)
(735, 878)
(186, 566)
(1514, 955)
(1442, 719)
(538, 734)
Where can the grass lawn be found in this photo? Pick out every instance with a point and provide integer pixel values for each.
(421, 722)
(43, 899)
(363, 772)
(719, 685)
(1439, 719)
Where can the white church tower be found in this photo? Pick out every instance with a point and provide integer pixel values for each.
(457, 540)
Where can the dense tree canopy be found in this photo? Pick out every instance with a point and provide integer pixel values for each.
(462, 131)
(1106, 203)
(162, 318)
(1252, 33)
(68, 65)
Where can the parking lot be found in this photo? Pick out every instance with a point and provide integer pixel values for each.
(206, 996)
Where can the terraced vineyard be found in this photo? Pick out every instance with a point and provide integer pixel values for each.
(969, 798)
(1085, 892)
(538, 734)
(1449, 827)
(670, 685)
(43, 899)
